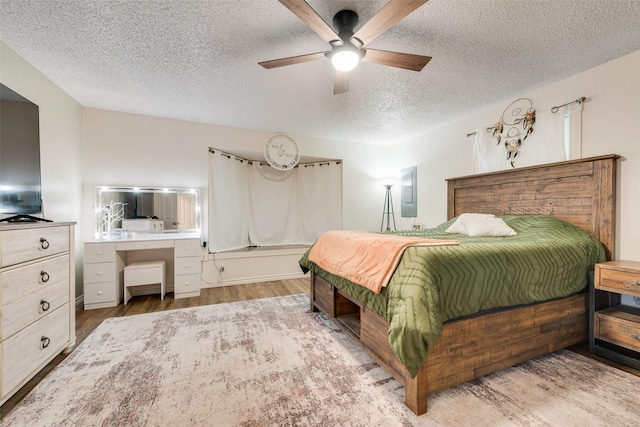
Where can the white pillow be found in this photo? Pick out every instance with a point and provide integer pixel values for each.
(489, 227)
(460, 225)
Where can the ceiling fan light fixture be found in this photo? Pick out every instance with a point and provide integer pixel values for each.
(345, 59)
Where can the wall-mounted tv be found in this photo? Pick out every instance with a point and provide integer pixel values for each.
(20, 185)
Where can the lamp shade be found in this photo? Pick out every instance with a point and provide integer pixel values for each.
(388, 181)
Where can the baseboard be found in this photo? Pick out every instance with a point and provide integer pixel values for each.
(80, 302)
(246, 280)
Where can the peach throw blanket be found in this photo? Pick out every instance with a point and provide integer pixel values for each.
(367, 259)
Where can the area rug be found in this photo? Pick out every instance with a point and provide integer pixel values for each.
(271, 362)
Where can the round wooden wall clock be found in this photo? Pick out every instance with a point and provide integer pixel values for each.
(282, 152)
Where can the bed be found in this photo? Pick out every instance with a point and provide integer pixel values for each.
(579, 192)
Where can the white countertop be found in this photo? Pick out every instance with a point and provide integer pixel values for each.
(133, 236)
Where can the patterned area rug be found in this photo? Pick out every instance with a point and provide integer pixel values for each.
(271, 362)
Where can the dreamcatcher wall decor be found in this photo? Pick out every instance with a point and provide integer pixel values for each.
(515, 125)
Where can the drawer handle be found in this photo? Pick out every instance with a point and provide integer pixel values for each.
(44, 276)
(45, 305)
(632, 285)
(44, 342)
(635, 337)
(44, 244)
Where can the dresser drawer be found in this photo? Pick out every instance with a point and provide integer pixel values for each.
(187, 248)
(27, 350)
(32, 243)
(622, 281)
(619, 326)
(99, 252)
(187, 284)
(101, 272)
(95, 293)
(20, 281)
(187, 265)
(20, 314)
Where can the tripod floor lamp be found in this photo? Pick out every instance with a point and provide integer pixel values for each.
(387, 210)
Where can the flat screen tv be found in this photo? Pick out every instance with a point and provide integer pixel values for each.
(20, 185)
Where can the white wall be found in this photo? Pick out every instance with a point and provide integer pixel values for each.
(610, 124)
(60, 142)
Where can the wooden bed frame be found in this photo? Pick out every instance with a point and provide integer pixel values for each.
(581, 192)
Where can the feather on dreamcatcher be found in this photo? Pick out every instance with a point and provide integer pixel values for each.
(515, 125)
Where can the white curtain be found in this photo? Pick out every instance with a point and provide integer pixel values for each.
(573, 114)
(252, 204)
(320, 196)
(546, 144)
(274, 202)
(229, 204)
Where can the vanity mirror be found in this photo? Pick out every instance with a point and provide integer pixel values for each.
(138, 209)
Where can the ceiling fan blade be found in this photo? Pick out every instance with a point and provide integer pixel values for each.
(341, 83)
(302, 10)
(275, 63)
(407, 61)
(389, 15)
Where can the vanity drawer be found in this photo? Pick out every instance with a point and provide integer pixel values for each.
(99, 252)
(33, 277)
(25, 311)
(187, 248)
(24, 352)
(100, 272)
(187, 265)
(187, 284)
(144, 244)
(95, 293)
(32, 243)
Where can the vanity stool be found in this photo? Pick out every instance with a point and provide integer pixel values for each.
(144, 273)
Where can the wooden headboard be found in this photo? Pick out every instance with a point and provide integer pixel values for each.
(582, 192)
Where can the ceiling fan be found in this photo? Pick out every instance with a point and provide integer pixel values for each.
(347, 48)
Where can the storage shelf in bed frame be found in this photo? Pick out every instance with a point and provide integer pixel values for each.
(468, 348)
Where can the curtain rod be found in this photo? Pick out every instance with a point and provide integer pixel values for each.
(579, 101)
(553, 109)
(250, 162)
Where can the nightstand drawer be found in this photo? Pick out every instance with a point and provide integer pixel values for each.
(618, 279)
(619, 326)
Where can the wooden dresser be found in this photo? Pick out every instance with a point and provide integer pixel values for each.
(37, 299)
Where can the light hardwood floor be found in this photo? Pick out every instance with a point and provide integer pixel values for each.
(87, 321)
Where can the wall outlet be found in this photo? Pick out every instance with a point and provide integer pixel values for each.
(221, 268)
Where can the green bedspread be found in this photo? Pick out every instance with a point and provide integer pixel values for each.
(547, 259)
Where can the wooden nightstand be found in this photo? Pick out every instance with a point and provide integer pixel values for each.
(614, 329)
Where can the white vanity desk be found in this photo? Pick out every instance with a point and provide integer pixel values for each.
(105, 260)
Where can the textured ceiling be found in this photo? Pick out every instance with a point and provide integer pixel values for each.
(198, 60)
